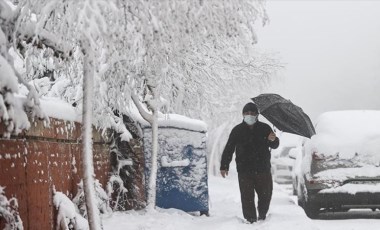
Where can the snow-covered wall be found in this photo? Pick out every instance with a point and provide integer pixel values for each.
(42, 158)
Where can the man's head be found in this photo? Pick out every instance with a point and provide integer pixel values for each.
(250, 113)
(250, 108)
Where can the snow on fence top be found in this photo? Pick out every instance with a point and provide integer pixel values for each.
(56, 108)
(53, 107)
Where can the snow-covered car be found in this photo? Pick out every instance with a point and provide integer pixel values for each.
(341, 163)
(282, 164)
(296, 154)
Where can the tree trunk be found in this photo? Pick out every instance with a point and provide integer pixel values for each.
(153, 121)
(153, 170)
(87, 155)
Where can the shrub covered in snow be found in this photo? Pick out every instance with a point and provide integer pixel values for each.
(102, 199)
(8, 212)
(68, 217)
(116, 190)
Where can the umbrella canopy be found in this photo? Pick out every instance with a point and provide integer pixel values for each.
(285, 115)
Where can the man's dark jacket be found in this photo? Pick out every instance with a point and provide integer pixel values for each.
(251, 147)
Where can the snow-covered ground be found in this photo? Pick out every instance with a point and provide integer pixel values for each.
(225, 213)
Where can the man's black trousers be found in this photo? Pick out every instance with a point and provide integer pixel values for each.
(262, 184)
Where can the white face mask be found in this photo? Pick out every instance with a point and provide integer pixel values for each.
(250, 119)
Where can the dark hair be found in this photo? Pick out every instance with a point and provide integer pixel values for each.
(250, 107)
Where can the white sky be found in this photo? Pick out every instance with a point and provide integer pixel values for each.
(331, 51)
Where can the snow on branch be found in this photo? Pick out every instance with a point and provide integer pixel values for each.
(23, 30)
(12, 114)
(147, 116)
(26, 35)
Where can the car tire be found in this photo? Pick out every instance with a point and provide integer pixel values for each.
(300, 196)
(311, 210)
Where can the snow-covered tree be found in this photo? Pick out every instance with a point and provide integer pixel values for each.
(192, 57)
(195, 58)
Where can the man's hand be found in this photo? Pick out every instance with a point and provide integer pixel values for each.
(224, 173)
(272, 136)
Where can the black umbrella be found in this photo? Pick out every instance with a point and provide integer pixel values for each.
(285, 115)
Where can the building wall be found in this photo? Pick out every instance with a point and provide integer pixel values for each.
(42, 159)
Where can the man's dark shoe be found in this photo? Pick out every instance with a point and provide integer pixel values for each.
(251, 220)
(261, 218)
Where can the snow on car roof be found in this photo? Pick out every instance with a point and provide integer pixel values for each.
(358, 123)
(347, 133)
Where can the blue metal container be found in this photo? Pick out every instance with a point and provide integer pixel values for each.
(182, 167)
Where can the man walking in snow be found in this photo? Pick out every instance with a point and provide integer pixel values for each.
(251, 140)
